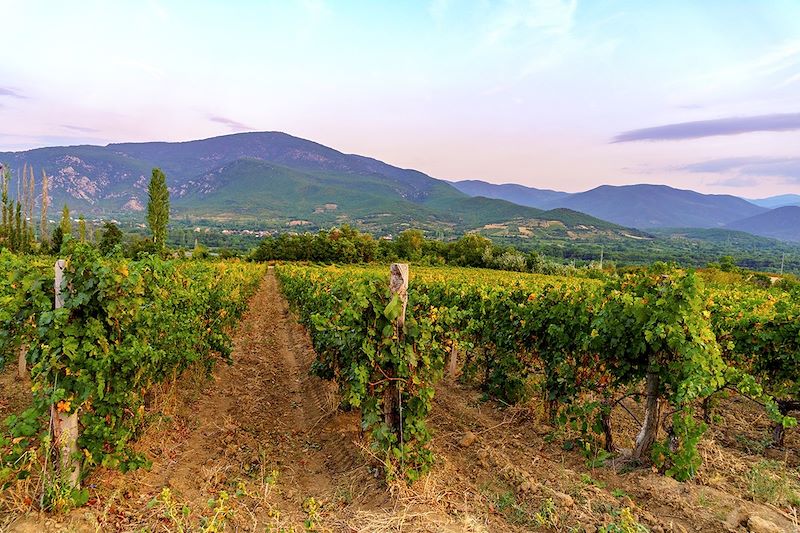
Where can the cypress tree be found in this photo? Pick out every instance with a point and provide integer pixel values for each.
(158, 208)
(16, 234)
(58, 240)
(66, 223)
(82, 228)
(5, 234)
(45, 201)
(22, 237)
(31, 237)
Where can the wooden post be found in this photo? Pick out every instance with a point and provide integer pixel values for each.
(22, 363)
(398, 285)
(452, 363)
(59, 300)
(65, 425)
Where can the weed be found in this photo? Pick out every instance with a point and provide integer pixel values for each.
(344, 495)
(276, 526)
(624, 522)
(754, 446)
(506, 503)
(597, 457)
(513, 510)
(586, 479)
(311, 508)
(176, 512)
(704, 500)
(268, 477)
(220, 514)
(547, 515)
(767, 482)
(180, 514)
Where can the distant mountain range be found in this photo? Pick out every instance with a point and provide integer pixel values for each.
(275, 180)
(511, 192)
(656, 206)
(782, 223)
(778, 201)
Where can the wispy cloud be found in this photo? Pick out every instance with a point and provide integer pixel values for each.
(7, 91)
(233, 125)
(738, 181)
(15, 141)
(437, 9)
(777, 66)
(314, 14)
(710, 128)
(782, 167)
(130, 63)
(82, 129)
(790, 80)
(547, 17)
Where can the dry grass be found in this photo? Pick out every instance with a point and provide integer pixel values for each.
(441, 501)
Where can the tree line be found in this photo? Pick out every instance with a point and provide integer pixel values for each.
(348, 245)
(18, 229)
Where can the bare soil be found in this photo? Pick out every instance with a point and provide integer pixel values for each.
(268, 435)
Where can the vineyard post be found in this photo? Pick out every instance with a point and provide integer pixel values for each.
(22, 363)
(398, 285)
(452, 363)
(65, 425)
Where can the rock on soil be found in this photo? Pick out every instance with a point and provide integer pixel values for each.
(468, 439)
(756, 524)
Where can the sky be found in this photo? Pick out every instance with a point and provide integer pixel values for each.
(566, 95)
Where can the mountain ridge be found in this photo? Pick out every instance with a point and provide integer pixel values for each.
(781, 200)
(279, 180)
(665, 206)
(781, 223)
(274, 179)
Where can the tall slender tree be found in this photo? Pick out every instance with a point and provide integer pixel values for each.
(31, 207)
(22, 202)
(22, 197)
(16, 236)
(82, 228)
(158, 207)
(5, 234)
(66, 223)
(43, 234)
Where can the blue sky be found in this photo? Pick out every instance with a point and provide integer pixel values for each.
(554, 94)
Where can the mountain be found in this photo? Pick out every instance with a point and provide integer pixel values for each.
(512, 192)
(660, 206)
(638, 206)
(782, 223)
(274, 180)
(778, 201)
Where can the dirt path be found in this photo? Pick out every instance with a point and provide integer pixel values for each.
(258, 407)
(264, 429)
